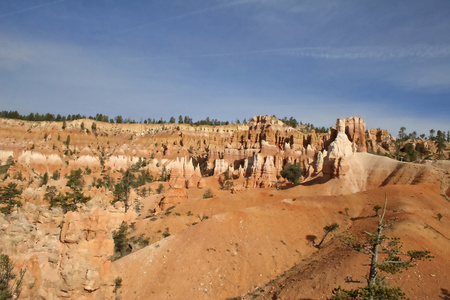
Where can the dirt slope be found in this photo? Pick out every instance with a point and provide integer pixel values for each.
(254, 236)
(418, 227)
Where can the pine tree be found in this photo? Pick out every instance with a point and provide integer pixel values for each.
(386, 256)
(71, 201)
(122, 189)
(8, 196)
(8, 288)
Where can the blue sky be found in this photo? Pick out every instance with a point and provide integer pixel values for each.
(385, 61)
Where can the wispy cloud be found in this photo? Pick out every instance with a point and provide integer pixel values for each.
(211, 9)
(30, 8)
(383, 53)
(186, 15)
(347, 53)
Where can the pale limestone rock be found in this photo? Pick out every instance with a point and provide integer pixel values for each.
(256, 169)
(85, 161)
(310, 151)
(220, 167)
(268, 176)
(320, 160)
(339, 151)
(4, 155)
(176, 179)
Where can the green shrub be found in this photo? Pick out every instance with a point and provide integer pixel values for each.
(208, 194)
(160, 188)
(55, 175)
(117, 282)
(292, 172)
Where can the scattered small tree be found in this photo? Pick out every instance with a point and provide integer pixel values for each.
(432, 132)
(402, 134)
(44, 179)
(227, 183)
(160, 188)
(55, 175)
(8, 195)
(117, 284)
(376, 208)
(123, 188)
(327, 229)
(70, 201)
(208, 194)
(9, 289)
(166, 233)
(440, 144)
(379, 246)
(10, 161)
(121, 243)
(50, 194)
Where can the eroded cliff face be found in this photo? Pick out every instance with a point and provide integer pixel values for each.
(68, 255)
(202, 248)
(257, 150)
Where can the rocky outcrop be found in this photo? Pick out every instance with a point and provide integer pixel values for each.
(40, 162)
(319, 161)
(377, 138)
(183, 173)
(85, 161)
(65, 256)
(257, 151)
(172, 197)
(86, 249)
(4, 155)
(336, 162)
(269, 173)
(220, 167)
(263, 172)
(355, 129)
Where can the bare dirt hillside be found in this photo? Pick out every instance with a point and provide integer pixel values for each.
(248, 242)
